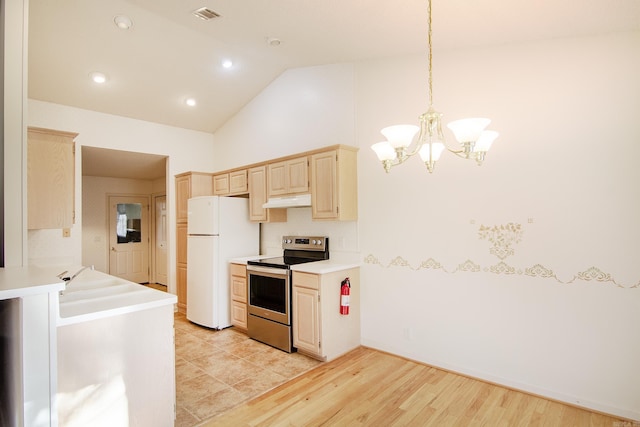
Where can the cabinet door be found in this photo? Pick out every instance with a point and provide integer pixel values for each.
(288, 177)
(181, 266)
(257, 178)
(181, 243)
(298, 175)
(238, 282)
(183, 192)
(50, 179)
(277, 179)
(238, 182)
(257, 193)
(306, 320)
(324, 194)
(181, 287)
(239, 314)
(221, 184)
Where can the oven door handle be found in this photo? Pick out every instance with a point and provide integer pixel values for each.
(268, 270)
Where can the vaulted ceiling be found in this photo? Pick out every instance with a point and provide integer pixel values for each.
(169, 54)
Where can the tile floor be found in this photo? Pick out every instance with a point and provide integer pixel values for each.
(217, 370)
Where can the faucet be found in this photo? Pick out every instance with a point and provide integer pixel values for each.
(69, 279)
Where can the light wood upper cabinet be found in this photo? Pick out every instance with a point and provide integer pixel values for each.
(238, 182)
(221, 184)
(50, 178)
(334, 186)
(257, 178)
(231, 183)
(288, 177)
(191, 184)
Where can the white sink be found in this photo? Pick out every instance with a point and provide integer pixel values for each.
(102, 289)
(93, 294)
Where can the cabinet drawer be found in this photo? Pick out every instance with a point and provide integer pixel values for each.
(306, 280)
(238, 270)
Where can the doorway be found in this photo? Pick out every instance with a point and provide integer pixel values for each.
(129, 237)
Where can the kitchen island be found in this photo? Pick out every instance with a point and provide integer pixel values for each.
(116, 353)
(96, 351)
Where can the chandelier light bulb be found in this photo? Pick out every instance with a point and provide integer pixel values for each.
(384, 151)
(400, 135)
(468, 130)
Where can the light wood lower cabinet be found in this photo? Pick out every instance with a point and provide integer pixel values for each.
(181, 266)
(238, 283)
(319, 330)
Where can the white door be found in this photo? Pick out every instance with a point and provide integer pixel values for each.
(161, 240)
(129, 237)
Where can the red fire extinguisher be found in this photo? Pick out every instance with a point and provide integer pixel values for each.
(345, 291)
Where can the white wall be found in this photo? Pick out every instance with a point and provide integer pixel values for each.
(522, 271)
(187, 150)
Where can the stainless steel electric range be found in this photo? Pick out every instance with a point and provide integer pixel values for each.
(269, 283)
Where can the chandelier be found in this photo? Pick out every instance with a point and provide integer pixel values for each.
(400, 145)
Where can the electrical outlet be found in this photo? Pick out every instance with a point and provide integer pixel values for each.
(66, 232)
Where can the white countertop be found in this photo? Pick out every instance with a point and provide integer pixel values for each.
(243, 260)
(323, 267)
(317, 267)
(96, 295)
(18, 282)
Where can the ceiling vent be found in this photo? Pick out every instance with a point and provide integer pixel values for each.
(205, 14)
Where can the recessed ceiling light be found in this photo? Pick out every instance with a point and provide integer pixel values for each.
(273, 42)
(123, 22)
(227, 63)
(98, 77)
(190, 102)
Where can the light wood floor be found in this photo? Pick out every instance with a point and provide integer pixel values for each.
(370, 388)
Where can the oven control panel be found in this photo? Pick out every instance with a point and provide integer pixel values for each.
(307, 243)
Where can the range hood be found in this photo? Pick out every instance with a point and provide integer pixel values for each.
(296, 201)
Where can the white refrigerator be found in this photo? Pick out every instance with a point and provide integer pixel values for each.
(218, 230)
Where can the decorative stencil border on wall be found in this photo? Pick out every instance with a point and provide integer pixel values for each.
(503, 238)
